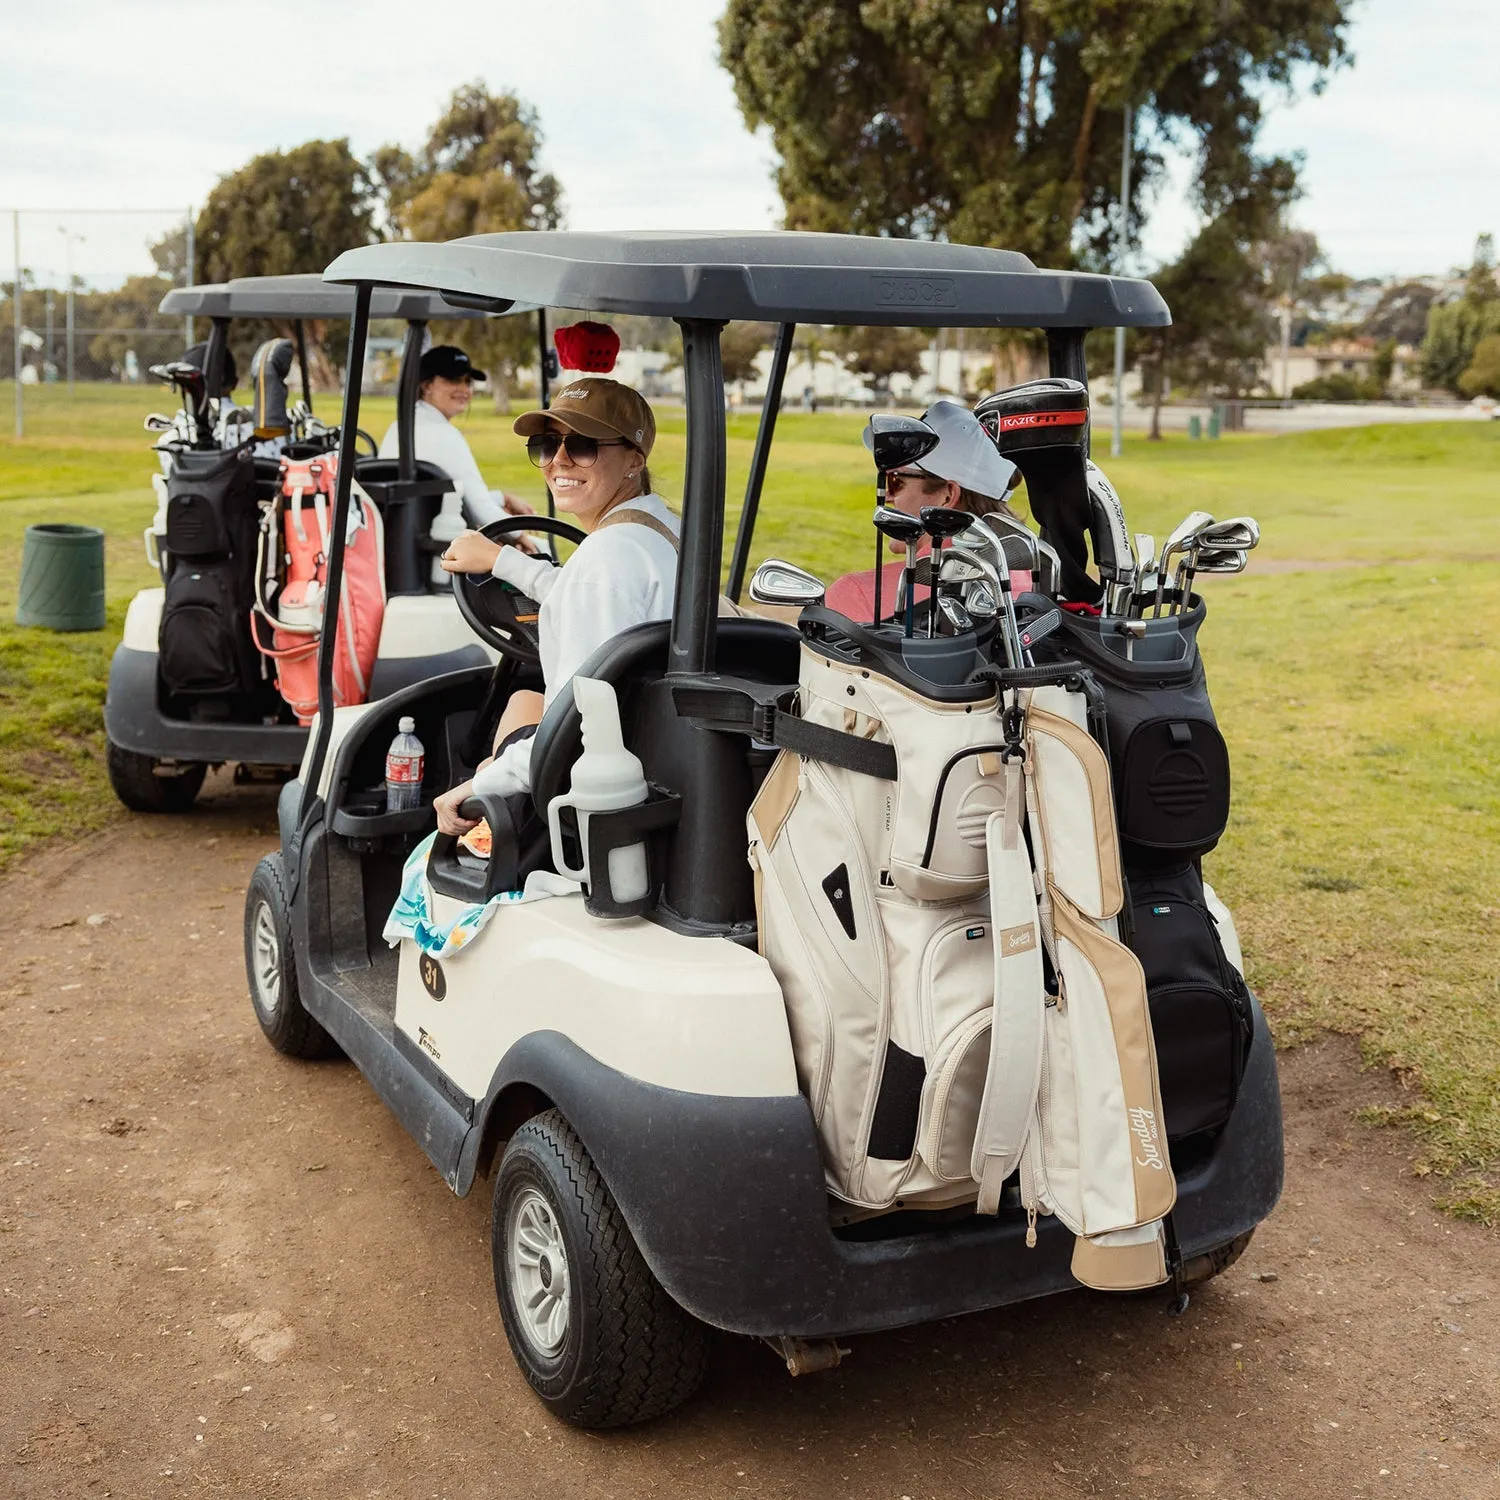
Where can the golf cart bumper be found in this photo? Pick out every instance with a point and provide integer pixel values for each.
(726, 1199)
(134, 721)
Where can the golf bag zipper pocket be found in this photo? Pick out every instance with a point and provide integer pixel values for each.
(951, 1098)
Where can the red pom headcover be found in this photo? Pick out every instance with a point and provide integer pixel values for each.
(590, 347)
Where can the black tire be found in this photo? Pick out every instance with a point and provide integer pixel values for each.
(136, 784)
(617, 1349)
(1215, 1262)
(271, 967)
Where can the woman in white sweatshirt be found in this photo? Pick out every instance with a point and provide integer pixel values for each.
(592, 443)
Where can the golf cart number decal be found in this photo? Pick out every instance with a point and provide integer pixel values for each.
(914, 291)
(433, 979)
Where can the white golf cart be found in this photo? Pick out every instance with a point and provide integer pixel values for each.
(624, 1069)
(164, 735)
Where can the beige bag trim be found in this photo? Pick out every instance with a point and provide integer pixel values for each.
(1124, 983)
(625, 513)
(1119, 1268)
(777, 796)
(1096, 769)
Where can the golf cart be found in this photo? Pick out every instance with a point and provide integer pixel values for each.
(620, 1058)
(166, 728)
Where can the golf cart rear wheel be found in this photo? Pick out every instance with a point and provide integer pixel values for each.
(271, 967)
(136, 784)
(1200, 1268)
(593, 1331)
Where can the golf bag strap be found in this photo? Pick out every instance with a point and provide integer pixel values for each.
(833, 746)
(1014, 1076)
(734, 705)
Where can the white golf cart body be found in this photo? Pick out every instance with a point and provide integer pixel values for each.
(661, 1039)
(422, 635)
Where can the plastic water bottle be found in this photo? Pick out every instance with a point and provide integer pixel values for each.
(403, 769)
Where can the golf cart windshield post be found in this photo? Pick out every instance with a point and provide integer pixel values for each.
(359, 329)
(300, 328)
(407, 383)
(770, 409)
(1065, 357)
(695, 609)
(543, 388)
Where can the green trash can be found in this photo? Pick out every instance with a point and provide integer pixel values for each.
(1195, 426)
(1215, 421)
(62, 577)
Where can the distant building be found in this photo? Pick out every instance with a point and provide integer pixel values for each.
(1282, 374)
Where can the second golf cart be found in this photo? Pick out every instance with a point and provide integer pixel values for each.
(620, 1060)
(211, 698)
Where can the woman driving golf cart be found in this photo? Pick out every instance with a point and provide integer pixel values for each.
(446, 387)
(592, 444)
(964, 472)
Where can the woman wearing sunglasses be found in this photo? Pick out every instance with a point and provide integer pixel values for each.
(964, 472)
(592, 444)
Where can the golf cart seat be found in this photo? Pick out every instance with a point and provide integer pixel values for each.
(714, 774)
(407, 507)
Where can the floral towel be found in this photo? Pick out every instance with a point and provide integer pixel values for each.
(411, 916)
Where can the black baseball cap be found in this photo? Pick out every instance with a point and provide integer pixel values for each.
(450, 362)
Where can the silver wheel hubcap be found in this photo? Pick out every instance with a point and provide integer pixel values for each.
(538, 1271)
(265, 954)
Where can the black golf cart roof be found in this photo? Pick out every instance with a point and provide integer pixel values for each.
(308, 295)
(780, 276)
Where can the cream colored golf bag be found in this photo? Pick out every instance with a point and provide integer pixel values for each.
(899, 910)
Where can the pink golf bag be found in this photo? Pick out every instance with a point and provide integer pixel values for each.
(292, 577)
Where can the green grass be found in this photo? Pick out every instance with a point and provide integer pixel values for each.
(1362, 704)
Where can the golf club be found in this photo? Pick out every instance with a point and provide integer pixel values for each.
(894, 441)
(1113, 555)
(1239, 534)
(1182, 533)
(954, 616)
(998, 579)
(940, 523)
(907, 531)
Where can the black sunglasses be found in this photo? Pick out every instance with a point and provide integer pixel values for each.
(583, 451)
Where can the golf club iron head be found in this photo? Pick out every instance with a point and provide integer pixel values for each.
(953, 618)
(1224, 560)
(1183, 533)
(782, 583)
(1239, 533)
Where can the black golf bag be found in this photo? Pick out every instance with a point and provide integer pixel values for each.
(1169, 771)
(213, 523)
(1043, 428)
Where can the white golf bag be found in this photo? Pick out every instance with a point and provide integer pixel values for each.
(906, 924)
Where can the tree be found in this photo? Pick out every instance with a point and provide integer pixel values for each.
(1482, 378)
(477, 173)
(739, 345)
(1456, 329)
(879, 353)
(284, 212)
(1219, 292)
(1001, 124)
(1401, 313)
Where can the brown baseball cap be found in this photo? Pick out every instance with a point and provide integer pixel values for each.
(598, 408)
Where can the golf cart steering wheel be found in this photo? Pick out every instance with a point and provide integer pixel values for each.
(498, 613)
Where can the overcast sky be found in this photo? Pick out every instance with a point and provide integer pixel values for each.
(142, 104)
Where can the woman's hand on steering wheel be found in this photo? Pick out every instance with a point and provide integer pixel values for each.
(503, 618)
(470, 552)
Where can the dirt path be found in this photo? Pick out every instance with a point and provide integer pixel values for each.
(225, 1273)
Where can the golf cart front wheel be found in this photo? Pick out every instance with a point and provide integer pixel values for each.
(593, 1331)
(142, 787)
(271, 967)
(1200, 1268)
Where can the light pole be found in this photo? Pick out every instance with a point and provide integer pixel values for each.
(1117, 437)
(187, 279)
(68, 238)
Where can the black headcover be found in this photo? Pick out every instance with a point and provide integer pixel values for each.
(1043, 428)
(268, 374)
